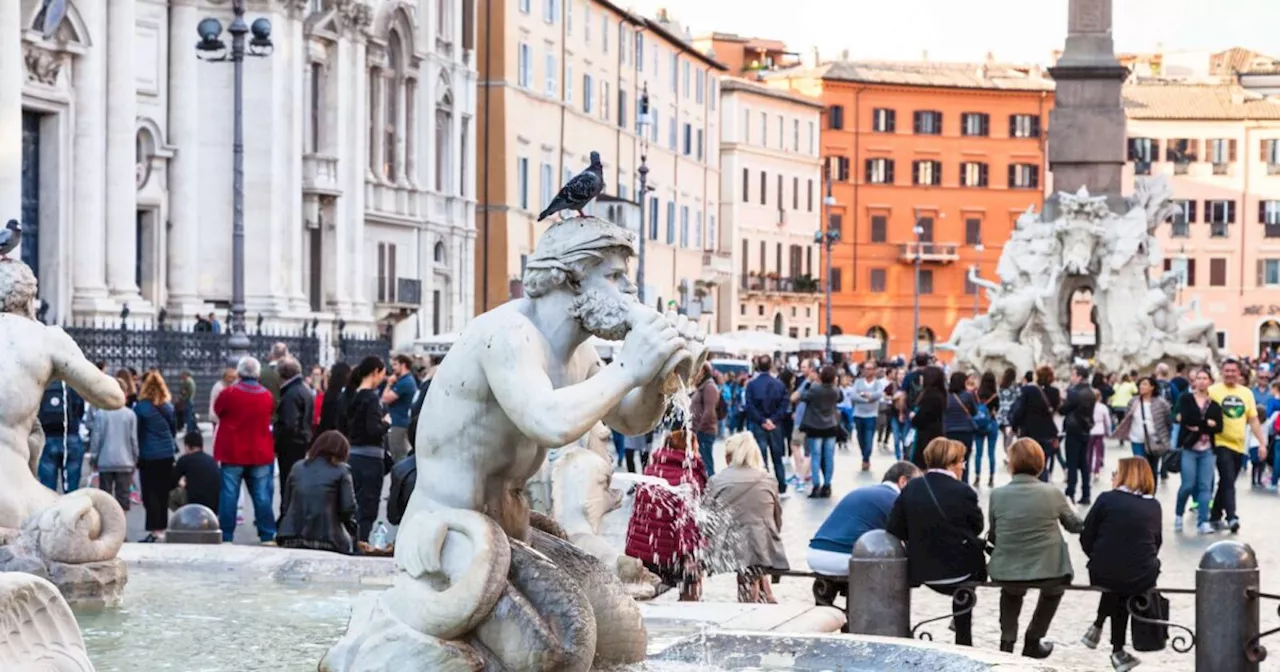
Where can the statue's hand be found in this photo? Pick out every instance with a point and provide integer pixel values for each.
(650, 343)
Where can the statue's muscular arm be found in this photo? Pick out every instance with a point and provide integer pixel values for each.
(69, 364)
(639, 411)
(551, 417)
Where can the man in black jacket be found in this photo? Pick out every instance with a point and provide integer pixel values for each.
(1077, 421)
(293, 418)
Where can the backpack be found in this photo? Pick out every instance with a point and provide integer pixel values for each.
(914, 386)
(982, 420)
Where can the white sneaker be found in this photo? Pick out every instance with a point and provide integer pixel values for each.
(1177, 524)
(1206, 528)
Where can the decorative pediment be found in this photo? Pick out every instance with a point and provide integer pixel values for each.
(45, 58)
(340, 18)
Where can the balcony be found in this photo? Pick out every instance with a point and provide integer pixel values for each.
(929, 253)
(320, 175)
(407, 294)
(717, 264)
(802, 284)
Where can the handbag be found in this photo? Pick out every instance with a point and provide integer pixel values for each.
(1149, 447)
(1151, 636)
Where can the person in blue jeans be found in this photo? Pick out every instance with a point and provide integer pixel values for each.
(821, 424)
(63, 456)
(1200, 418)
(766, 407)
(868, 390)
(988, 433)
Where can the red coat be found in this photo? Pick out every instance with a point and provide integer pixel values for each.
(662, 530)
(243, 437)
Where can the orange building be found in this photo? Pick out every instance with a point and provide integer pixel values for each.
(930, 162)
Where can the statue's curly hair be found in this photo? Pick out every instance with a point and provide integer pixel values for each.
(18, 288)
(569, 272)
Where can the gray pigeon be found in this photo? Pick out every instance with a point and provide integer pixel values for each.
(579, 191)
(10, 236)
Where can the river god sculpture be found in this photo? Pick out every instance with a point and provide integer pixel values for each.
(478, 586)
(71, 539)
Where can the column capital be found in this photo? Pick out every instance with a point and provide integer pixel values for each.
(295, 9)
(353, 18)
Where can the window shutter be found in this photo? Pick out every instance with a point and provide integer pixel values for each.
(1231, 151)
(1208, 211)
(1231, 212)
(1013, 125)
(888, 171)
(1191, 212)
(982, 175)
(1168, 265)
(1013, 169)
(937, 172)
(1262, 151)
(1035, 177)
(892, 124)
(915, 122)
(986, 125)
(1262, 212)
(1191, 272)
(1262, 272)
(867, 177)
(1155, 151)
(1035, 126)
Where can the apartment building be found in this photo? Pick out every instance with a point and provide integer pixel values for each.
(1219, 145)
(562, 78)
(747, 56)
(931, 163)
(771, 205)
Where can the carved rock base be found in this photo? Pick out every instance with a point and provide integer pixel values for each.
(94, 584)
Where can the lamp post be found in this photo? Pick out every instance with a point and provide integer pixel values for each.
(828, 238)
(915, 313)
(212, 48)
(643, 170)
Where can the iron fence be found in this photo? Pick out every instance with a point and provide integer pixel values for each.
(174, 349)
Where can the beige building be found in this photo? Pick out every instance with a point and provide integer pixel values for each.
(771, 199)
(563, 78)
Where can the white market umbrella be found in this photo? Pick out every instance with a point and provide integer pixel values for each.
(437, 344)
(762, 342)
(842, 343)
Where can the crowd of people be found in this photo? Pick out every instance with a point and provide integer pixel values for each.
(325, 441)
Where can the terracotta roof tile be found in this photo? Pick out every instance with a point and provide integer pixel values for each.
(1169, 100)
(760, 88)
(928, 74)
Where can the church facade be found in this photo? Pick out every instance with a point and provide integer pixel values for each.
(359, 204)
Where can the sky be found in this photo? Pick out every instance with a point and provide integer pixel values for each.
(966, 30)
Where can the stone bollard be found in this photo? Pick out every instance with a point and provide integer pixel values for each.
(879, 592)
(193, 524)
(1226, 614)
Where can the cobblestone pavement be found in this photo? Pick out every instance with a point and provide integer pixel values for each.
(1179, 555)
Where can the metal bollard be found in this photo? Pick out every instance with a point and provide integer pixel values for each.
(1226, 609)
(879, 592)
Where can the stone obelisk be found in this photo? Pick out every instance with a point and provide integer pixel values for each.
(1087, 123)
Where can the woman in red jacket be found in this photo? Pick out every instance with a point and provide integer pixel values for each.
(663, 533)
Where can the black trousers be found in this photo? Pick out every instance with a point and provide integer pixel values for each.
(157, 481)
(286, 457)
(1224, 501)
(366, 476)
(1011, 597)
(963, 621)
(1076, 447)
(1115, 607)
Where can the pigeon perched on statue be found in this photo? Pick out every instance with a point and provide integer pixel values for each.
(10, 237)
(579, 191)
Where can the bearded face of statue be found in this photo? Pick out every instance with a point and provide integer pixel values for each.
(607, 296)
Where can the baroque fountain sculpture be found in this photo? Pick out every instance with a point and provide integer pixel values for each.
(48, 543)
(1086, 247)
(482, 582)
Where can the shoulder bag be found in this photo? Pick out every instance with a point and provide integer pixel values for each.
(973, 426)
(1053, 443)
(1150, 447)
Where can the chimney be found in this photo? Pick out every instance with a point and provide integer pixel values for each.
(844, 54)
(816, 57)
(924, 55)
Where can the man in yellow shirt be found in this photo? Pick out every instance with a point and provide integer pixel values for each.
(1239, 415)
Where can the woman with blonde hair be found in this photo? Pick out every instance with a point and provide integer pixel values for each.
(750, 495)
(157, 425)
(1122, 539)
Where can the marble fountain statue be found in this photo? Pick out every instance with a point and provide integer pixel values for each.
(52, 548)
(1087, 246)
(482, 582)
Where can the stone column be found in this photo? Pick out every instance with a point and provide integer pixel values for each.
(89, 160)
(12, 75)
(298, 75)
(351, 171)
(184, 169)
(355, 242)
(122, 129)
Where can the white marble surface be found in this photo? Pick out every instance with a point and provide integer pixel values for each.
(40, 631)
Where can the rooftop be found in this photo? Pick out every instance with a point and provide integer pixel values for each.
(740, 84)
(990, 75)
(666, 27)
(1156, 99)
(1239, 60)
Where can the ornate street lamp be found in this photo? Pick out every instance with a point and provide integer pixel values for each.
(828, 237)
(643, 170)
(212, 48)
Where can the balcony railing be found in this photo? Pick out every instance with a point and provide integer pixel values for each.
(928, 252)
(320, 175)
(718, 263)
(803, 284)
